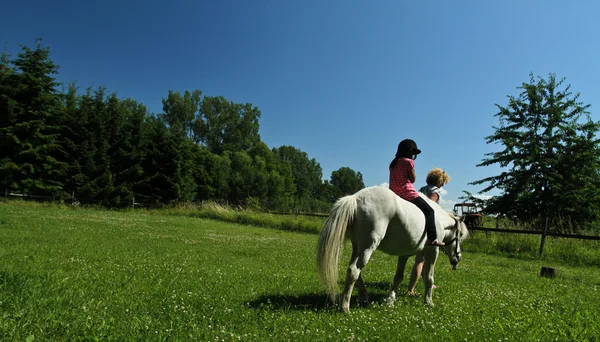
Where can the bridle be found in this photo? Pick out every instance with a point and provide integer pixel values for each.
(455, 239)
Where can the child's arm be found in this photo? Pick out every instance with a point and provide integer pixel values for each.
(412, 175)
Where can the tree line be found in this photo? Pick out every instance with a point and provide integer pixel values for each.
(109, 151)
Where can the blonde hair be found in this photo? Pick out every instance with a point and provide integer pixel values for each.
(437, 177)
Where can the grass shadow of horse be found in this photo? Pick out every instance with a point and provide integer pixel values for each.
(318, 301)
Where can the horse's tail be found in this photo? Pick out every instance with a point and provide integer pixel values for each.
(331, 240)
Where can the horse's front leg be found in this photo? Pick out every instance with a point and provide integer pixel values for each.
(398, 277)
(430, 256)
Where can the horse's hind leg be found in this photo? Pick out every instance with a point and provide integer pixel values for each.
(363, 297)
(359, 260)
(398, 277)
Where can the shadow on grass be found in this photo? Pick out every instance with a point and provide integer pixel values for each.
(316, 301)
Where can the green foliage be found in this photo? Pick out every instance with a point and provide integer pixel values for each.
(212, 174)
(181, 111)
(129, 150)
(550, 155)
(346, 181)
(112, 152)
(227, 126)
(469, 197)
(168, 166)
(31, 159)
(84, 274)
(312, 194)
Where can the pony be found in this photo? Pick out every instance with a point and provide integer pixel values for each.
(376, 218)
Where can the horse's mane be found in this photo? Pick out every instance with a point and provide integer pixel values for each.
(463, 227)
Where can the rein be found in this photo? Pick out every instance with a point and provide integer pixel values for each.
(455, 246)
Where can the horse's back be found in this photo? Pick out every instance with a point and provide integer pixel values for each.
(383, 218)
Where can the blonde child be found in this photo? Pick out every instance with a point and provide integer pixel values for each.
(436, 179)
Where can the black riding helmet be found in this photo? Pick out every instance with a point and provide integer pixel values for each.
(407, 149)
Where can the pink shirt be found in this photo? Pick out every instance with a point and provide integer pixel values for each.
(399, 182)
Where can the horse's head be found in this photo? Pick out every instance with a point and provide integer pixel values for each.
(452, 240)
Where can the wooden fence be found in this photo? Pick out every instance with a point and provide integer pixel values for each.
(67, 199)
(544, 233)
(535, 232)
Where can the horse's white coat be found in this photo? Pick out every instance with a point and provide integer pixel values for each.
(376, 218)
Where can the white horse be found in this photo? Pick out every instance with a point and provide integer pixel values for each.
(376, 218)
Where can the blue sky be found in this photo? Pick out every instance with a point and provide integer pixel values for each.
(344, 81)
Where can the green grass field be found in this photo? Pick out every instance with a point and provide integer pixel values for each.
(83, 274)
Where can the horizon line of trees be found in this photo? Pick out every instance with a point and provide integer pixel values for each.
(108, 150)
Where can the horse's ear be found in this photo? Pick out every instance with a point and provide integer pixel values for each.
(462, 218)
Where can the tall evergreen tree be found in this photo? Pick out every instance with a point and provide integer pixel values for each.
(168, 165)
(100, 187)
(7, 93)
(129, 151)
(32, 159)
(550, 157)
(72, 138)
(156, 187)
(81, 143)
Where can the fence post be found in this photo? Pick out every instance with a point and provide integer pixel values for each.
(544, 232)
(5, 192)
(133, 203)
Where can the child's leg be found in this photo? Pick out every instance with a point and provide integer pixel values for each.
(429, 219)
(416, 273)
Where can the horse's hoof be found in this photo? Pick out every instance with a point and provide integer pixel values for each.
(391, 299)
